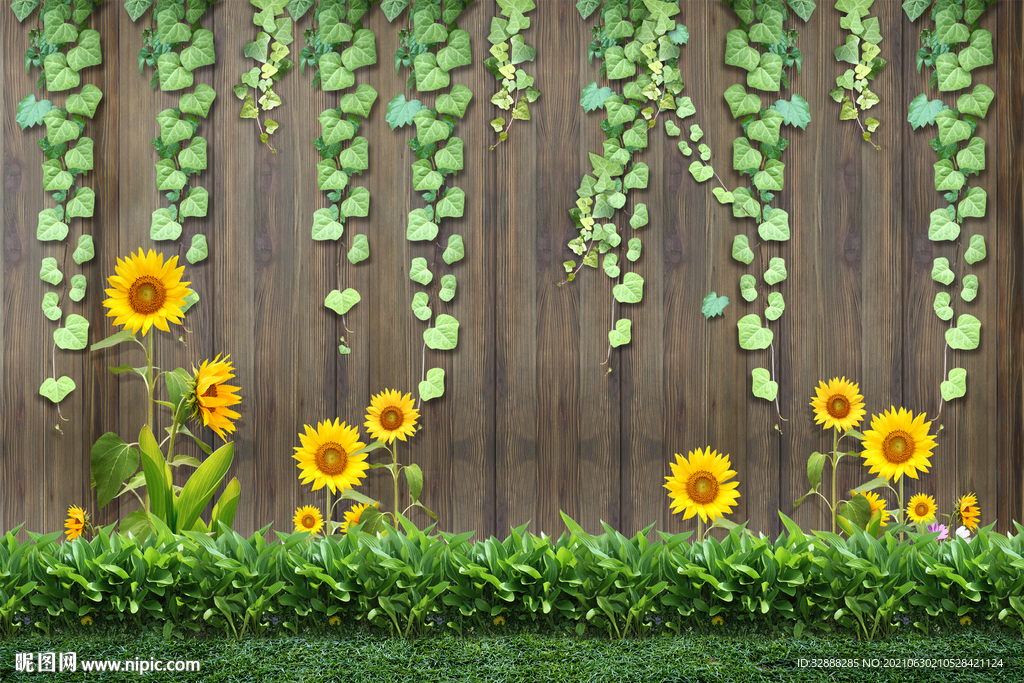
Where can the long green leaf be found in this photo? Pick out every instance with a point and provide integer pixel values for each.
(158, 487)
(224, 510)
(201, 486)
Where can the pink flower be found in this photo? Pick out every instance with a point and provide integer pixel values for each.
(941, 528)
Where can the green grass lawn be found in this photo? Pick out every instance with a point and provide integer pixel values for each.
(526, 657)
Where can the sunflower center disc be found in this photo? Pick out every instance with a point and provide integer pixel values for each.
(391, 419)
(308, 521)
(921, 510)
(838, 407)
(331, 458)
(147, 295)
(212, 391)
(702, 487)
(898, 447)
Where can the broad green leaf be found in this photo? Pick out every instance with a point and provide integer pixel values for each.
(432, 387)
(741, 103)
(631, 291)
(356, 155)
(696, 133)
(741, 250)
(457, 53)
(975, 103)
(951, 129)
(593, 98)
(712, 305)
(361, 101)
(420, 227)
(603, 166)
(771, 178)
(23, 8)
(634, 249)
(163, 226)
(198, 101)
(111, 462)
(55, 30)
(200, 53)
(172, 128)
(329, 176)
(923, 112)
(455, 102)
(201, 486)
(763, 386)
(333, 74)
(362, 51)
(979, 52)
(796, 112)
(168, 177)
(617, 65)
(941, 272)
(49, 272)
(30, 112)
(59, 76)
(325, 227)
(56, 389)
(455, 250)
(198, 251)
(448, 286)
(622, 334)
(59, 129)
(723, 196)
(776, 305)
(50, 308)
(74, 335)
(973, 204)
(619, 111)
(429, 76)
(744, 157)
(948, 30)
(357, 203)
(392, 8)
(671, 129)
(776, 272)
(360, 250)
(342, 302)
(444, 335)
(941, 227)
(941, 306)
(684, 107)
(955, 386)
(976, 251)
(915, 8)
(50, 228)
(744, 205)
(738, 51)
(947, 178)
(966, 335)
(748, 287)
(450, 156)
(769, 30)
(173, 76)
(420, 307)
(973, 155)
(195, 203)
(193, 156)
(766, 129)
(950, 75)
(767, 76)
(77, 291)
(849, 51)
(81, 155)
(969, 291)
(334, 128)
(700, 172)
(639, 218)
(452, 205)
(419, 272)
(429, 129)
(332, 29)
(752, 335)
(82, 204)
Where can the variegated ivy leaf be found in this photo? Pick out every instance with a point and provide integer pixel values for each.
(420, 307)
(360, 250)
(50, 308)
(419, 272)
(622, 334)
(763, 386)
(976, 250)
(966, 335)
(433, 386)
(342, 302)
(78, 285)
(969, 290)
(955, 386)
(198, 251)
(941, 306)
(751, 335)
(74, 335)
(444, 336)
(448, 286)
(748, 287)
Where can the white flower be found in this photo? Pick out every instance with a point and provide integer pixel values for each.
(963, 533)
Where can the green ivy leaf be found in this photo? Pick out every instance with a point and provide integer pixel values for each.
(771, 178)
(429, 76)
(360, 250)
(738, 51)
(444, 336)
(452, 204)
(752, 335)
(357, 203)
(976, 103)
(634, 248)
(744, 156)
(796, 112)
(763, 386)
(924, 113)
(356, 156)
(947, 178)
(776, 305)
(622, 334)
(979, 52)
(361, 102)
(198, 251)
(973, 204)
(172, 127)
(50, 228)
(969, 290)
(951, 128)
(325, 227)
(973, 155)
(941, 227)
(776, 272)
(49, 271)
(955, 386)
(915, 8)
(56, 389)
(329, 176)
(849, 51)
(168, 177)
(593, 98)
(420, 307)
(741, 103)
(448, 285)
(332, 29)
(712, 305)
(700, 172)
(82, 204)
(342, 302)
(59, 76)
(748, 287)
(455, 102)
(631, 291)
(741, 250)
(587, 7)
(976, 251)
(450, 156)
(195, 203)
(617, 65)
(420, 227)
(419, 271)
(23, 8)
(457, 52)
(966, 335)
(392, 8)
(333, 74)
(455, 250)
(50, 308)
(163, 226)
(74, 335)
(768, 75)
(433, 386)
(77, 291)
(30, 112)
(941, 272)
(950, 75)
(80, 156)
(941, 306)
(85, 250)
(685, 107)
(198, 101)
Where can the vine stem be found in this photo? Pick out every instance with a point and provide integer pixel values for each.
(945, 348)
(511, 121)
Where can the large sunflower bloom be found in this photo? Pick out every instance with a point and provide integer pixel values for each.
(970, 513)
(145, 292)
(328, 456)
(353, 515)
(391, 415)
(921, 509)
(876, 505)
(898, 443)
(309, 519)
(212, 396)
(698, 485)
(75, 523)
(838, 404)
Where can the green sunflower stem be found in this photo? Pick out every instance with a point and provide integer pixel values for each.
(700, 529)
(394, 474)
(835, 462)
(149, 382)
(174, 432)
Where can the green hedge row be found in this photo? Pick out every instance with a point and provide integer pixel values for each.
(407, 582)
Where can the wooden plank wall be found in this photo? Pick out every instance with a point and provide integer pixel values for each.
(532, 422)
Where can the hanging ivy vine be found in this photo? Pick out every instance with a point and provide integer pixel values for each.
(343, 154)
(953, 47)
(271, 50)
(432, 46)
(62, 46)
(637, 41)
(862, 51)
(764, 46)
(175, 46)
(507, 50)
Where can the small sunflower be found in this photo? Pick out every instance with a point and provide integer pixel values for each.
(391, 416)
(499, 620)
(698, 485)
(76, 522)
(838, 404)
(334, 621)
(965, 621)
(970, 513)
(308, 518)
(87, 620)
(353, 515)
(328, 456)
(212, 396)
(145, 292)
(717, 621)
(876, 505)
(898, 443)
(921, 509)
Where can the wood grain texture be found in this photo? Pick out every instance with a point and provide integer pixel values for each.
(531, 422)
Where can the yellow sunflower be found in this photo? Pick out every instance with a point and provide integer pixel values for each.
(698, 485)
(876, 505)
(308, 518)
(353, 515)
(145, 292)
(838, 404)
(391, 415)
(75, 523)
(969, 511)
(898, 443)
(212, 396)
(921, 509)
(328, 456)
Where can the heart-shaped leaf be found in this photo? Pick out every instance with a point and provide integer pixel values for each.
(198, 251)
(418, 271)
(342, 302)
(78, 286)
(444, 335)
(56, 389)
(941, 272)
(748, 287)
(741, 250)
(763, 386)
(776, 272)
(325, 227)
(50, 228)
(163, 226)
(622, 334)
(87, 53)
(955, 386)
(420, 307)
(198, 101)
(360, 250)
(941, 227)
(333, 74)
(455, 250)
(976, 250)
(776, 305)
(50, 308)
(448, 286)
(970, 287)
(195, 203)
(420, 228)
(357, 203)
(966, 335)
(752, 335)
(433, 386)
(941, 306)
(452, 204)
(49, 272)
(74, 335)
(631, 291)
